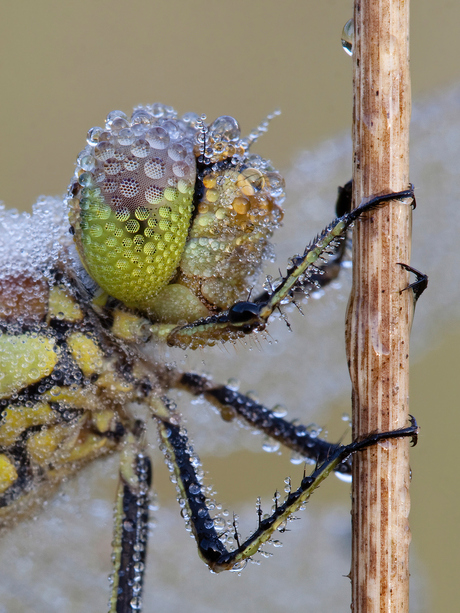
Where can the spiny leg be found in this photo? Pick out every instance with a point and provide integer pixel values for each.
(183, 463)
(130, 524)
(296, 437)
(299, 274)
(231, 403)
(328, 269)
(245, 317)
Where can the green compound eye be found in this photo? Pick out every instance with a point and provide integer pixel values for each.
(131, 202)
(131, 208)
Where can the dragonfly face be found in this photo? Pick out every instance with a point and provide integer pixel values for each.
(170, 223)
(172, 227)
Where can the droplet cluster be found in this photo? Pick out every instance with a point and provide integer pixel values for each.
(229, 240)
(30, 248)
(131, 204)
(131, 201)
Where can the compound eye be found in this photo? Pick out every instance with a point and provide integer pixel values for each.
(243, 312)
(130, 202)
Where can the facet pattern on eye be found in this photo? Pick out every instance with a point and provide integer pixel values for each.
(200, 205)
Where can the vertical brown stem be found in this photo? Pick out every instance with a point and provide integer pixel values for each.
(379, 315)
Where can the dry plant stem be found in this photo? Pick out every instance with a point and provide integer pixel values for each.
(379, 315)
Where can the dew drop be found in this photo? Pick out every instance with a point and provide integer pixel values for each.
(301, 430)
(194, 489)
(233, 384)
(279, 410)
(93, 136)
(225, 128)
(343, 477)
(219, 523)
(136, 603)
(296, 459)
(239, 566)
(347, 36)
(270, 446)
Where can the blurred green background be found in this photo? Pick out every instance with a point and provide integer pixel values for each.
(65, 65)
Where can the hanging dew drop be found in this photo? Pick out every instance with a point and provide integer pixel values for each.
(343, 477)
(347, 36)
(270, 446)
(219, 523)
(239, 566)
(135, 603)
(296, 459)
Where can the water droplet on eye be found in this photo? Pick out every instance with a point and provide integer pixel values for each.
(87, 162)
(158, 138)
(225, 128)
(348, 36)
(126, 136)
(104, 150)
(93, 136)
(141, 116)
(112, 116)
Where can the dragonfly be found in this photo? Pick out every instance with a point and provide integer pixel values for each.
(160, 241)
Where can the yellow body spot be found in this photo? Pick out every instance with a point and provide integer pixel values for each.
(100, 299)
(88, 355)
(111, 382)
(73, 396)
(177, 303)
(62, 306)
(104, 420)
(130, 327)
(42, 445)
(17, 419)
(128, 461)
(8, 473)
(24, 359)
(91, 445)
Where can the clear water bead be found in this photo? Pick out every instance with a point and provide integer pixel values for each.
(343, 477)
(225, 128)
(270, 445)
(348, 36)
(93, 136)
